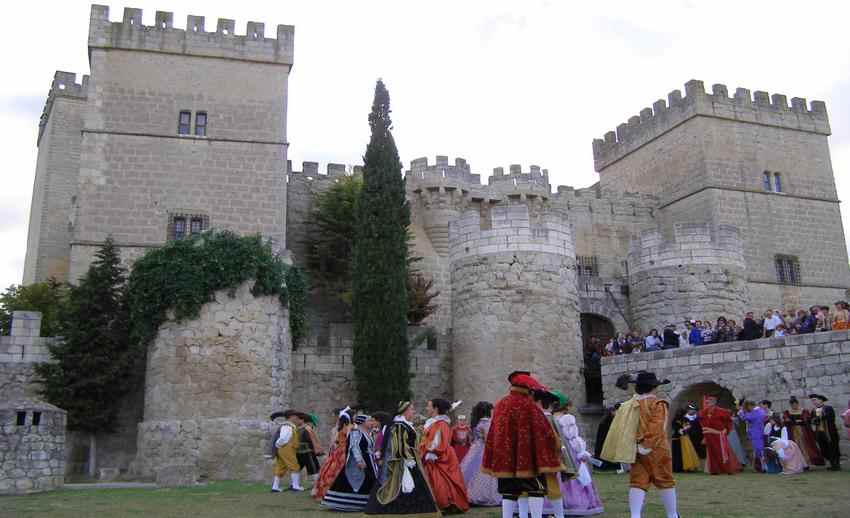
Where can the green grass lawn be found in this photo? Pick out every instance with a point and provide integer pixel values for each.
(819, 494)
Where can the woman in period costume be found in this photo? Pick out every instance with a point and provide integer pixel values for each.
(350, 491)
(482, 489)
(439, 459)
(404, 489)
(461, 437)
(798, 421)
(337, 457)
(579, 493)
(734, 439)
(789, 455)
(772, 430)
(685, 456)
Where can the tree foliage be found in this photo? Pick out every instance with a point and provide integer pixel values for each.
(380, 268)
(44, 297)
(92, 367)
(420, 296)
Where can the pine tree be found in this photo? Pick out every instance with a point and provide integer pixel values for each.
(92, 365)
(379, 272)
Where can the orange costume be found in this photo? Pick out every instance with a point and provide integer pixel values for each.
(441, 465)
(333, 465)
(655, 467)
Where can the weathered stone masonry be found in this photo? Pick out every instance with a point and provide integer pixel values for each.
(32, 447)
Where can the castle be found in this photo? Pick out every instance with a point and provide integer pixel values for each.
(706, 205)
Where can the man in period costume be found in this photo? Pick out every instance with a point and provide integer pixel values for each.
(309, 449)
(826, 433)
(519, 448)
(638, 436)
(350, 491)
(716, 424)
(285, 445)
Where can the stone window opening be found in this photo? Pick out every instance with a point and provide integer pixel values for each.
(184, 123)
(766, 181)
(777, 183)
(587, 266)
(201, 124)
(787, 270)
(36, 418)
(431, 342)
(182, 225)
(21, 419)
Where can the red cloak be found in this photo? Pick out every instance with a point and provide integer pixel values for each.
(520, 441)
(461, 440)
(716, 423)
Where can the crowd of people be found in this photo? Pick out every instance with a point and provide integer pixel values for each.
(695, 332)
(526, 454)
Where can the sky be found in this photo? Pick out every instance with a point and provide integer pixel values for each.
(494, 82)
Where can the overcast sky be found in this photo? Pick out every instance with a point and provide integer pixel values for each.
(494, 82)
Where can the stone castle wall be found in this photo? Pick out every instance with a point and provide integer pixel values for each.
(211, 384)
(32, 447)
(699, 274)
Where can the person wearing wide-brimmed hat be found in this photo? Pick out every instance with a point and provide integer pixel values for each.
(520, 448)
(639, 435)
(285, 446)
(826, 433)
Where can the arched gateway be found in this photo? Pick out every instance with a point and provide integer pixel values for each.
(596, 330)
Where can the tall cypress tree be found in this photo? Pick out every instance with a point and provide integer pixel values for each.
(379, 271)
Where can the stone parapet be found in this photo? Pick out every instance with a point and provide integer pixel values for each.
(32, 447)
(691, 244)
(130, 34)
(64, 85)
(743, 107)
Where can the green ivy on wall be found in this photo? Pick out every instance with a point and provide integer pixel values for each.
(185, 274)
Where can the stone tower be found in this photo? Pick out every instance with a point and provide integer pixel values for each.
(514, 301)
(181, 130)
(751, 161)
(700, 273)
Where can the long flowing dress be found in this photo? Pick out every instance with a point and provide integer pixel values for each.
(350, 491)
(579, 499)
(441, 465)
(685, 456)
(735, 442)
(404, 489)
(716, 424)
(333, 465)
(461, 440)
(799, 425)
(772, 462)
(790, 456)
(482, 489)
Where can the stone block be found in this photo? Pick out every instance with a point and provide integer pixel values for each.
(177, 475)
(108, 474)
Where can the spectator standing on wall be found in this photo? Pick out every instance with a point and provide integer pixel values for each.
(707, 333)
(809, 322)
(751, 330)
(771, 321)
(695, 334)
(841, 317)
(824, 320)
(671, 339)
(652, 342)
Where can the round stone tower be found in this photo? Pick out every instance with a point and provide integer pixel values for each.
(514, 303)
(698, 274)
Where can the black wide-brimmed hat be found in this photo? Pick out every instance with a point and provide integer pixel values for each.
(285, 414)
(818, 396)
(648, 378)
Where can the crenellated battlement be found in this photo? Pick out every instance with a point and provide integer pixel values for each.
(536, 180)
(758, 108)
(441, 174)
(310, 170)
(690, 244)
(64, 84)
(194, 40)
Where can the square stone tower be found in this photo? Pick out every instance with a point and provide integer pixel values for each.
(183, 130)
(750, 161)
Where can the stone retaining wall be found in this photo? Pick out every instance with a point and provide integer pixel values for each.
(32, 447)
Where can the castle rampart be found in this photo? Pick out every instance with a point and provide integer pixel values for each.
(64, 84)
(698, 274)
(664, 116)
(130, 34)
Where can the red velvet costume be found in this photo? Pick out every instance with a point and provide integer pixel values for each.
(519, 444)
(461, 440)
(444, 472)
(716, 423)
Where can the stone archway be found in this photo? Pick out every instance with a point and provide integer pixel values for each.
(596, 330)
(695, 392)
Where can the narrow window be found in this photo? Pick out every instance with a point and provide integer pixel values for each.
(179, 228)
(787, 270)
(21, 418)
(766, 181)
(36, 418)
(587, 266)
(196, 226)
(184, 123)
(777, 182)
(201, 124)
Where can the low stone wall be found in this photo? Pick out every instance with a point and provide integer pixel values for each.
(32, 447)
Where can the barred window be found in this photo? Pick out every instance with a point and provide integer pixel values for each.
(201, 124)
(787, 270)
(587, 266)
(777, 182)
(184, 123)
(179, 228)
(766, 181)
(184, 225)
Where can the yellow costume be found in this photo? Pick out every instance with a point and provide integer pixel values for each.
(620, 445)
(286, 460)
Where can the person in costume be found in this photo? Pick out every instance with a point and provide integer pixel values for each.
(845, 416)
(518, 448)
(336, 458)
(440, 461)
(350, 491)
(789, 454)
(695, 430)
(286, 442)
(716, 424)
(482, 489)
(579, 493)
(755, 417)
(685, 457)
(554, 503)
(826, 433)
(601, 434)
(309, 448)
(638, 436)
(798, 421)
(734, 440)
(403, 489)
(772, 430)
(461, 437)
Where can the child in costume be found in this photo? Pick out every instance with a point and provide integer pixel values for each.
(638, 436)
(554, 503)
(286, 443)
(482, 489)
(579, 493)
(461, 437)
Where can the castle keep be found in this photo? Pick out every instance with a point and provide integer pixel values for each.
(706, 205)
